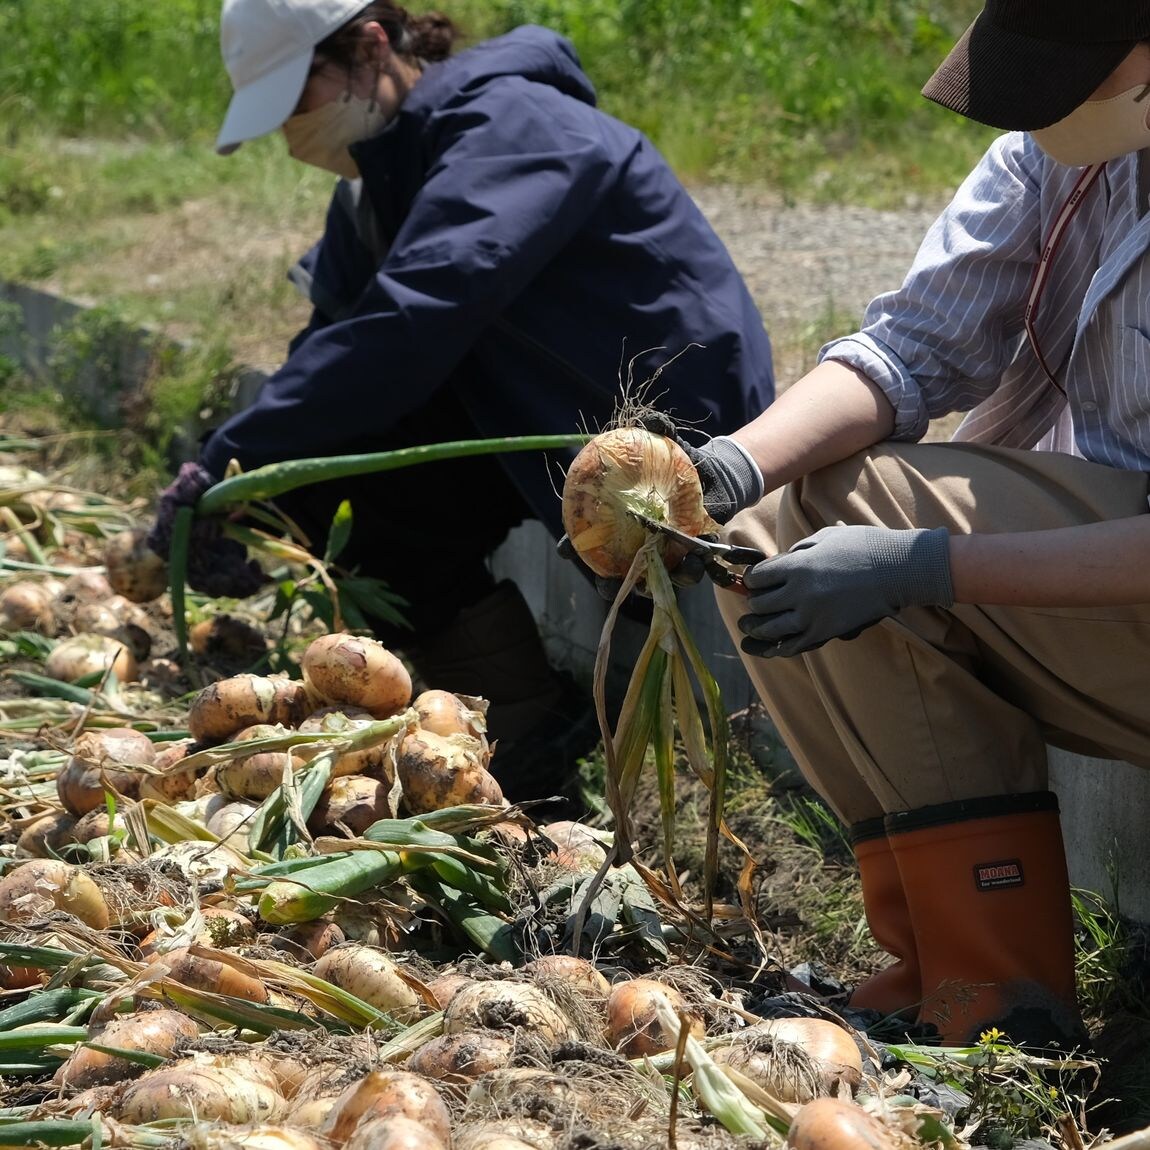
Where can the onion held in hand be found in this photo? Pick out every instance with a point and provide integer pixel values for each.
(628, 470)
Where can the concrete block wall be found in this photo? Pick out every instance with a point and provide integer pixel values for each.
(1104, 803)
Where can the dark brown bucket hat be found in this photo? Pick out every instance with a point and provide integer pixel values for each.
(1025, 64)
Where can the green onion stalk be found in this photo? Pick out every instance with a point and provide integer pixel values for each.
(278, 478)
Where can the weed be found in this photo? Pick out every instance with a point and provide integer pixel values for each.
(761, 90)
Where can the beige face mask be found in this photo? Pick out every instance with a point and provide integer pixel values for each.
(1099, 130)
(321, 137)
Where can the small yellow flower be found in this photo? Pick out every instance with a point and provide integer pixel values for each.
(990, 1036)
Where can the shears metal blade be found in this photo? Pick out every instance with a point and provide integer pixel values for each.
(725, 563)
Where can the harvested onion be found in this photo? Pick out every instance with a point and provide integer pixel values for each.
(134, 570)
(236, 1094)
(27, 606)
(84, 655)
(394, 1132)
(152, 1032)
(621, 471)
(39, 886)
(230, 705)
(633, 1022)
(462, 1057)
(352, 669)
(507, 1005)
(372, 976)
(388, 1094)
(438, 772)
(828, 1124)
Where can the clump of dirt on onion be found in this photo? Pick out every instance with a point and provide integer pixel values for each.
(629, 470)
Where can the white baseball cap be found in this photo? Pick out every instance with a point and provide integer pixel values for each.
(267, 47)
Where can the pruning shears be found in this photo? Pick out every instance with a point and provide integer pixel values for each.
(725, 563)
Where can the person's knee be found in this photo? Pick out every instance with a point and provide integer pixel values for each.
(869, 487)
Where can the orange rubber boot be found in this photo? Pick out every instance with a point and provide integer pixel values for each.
(896, 989)
(986, 886)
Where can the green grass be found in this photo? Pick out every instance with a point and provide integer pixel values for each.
(818, 98)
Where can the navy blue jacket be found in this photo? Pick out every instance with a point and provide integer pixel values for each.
(513, 236)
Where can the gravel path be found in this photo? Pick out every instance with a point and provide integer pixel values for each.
(810, 266)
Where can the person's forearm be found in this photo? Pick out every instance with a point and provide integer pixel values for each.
(1099, 564)
(828, 415)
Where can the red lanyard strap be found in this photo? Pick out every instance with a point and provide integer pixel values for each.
(1054, 239)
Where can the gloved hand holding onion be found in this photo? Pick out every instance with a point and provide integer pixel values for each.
(648, 469)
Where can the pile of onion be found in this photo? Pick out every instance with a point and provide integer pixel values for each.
(622, 471)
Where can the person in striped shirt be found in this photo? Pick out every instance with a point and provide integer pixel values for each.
(995, 590)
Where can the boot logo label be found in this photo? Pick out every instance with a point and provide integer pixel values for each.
(996, 875)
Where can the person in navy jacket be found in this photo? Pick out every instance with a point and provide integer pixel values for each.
(499, 258)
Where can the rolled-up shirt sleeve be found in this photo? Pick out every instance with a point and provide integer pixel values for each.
(941, 342)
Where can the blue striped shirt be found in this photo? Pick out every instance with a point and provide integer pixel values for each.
(952, 337)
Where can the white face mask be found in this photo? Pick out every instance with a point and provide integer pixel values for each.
(321, 137)
(1099, 130)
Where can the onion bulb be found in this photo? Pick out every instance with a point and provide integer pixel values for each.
(506, 1005)
(261, 1137)
(230, 705)
(444, 713)
(829, 1124)
(353, 669)
(438, 772)
(833, 1054)
(236, 1094)
(372, 976)
(386, 1094)
(621, 471)
(133, 569)
(39, 886)
(150, 1031)
(804, 1059)
(202, 973)
(83, 655)
(394, 1133)
(632, 1021)
(27, 606)
(577, 973)
(257, 775)
(83, 780)
(462, 1057)
(506, 1134)
(377, 761)
(351, 801)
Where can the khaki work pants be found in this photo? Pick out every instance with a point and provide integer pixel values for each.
(937, 705)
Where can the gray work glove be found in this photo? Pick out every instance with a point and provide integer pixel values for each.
(730, 479)
(839, 582)
(217, 566)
